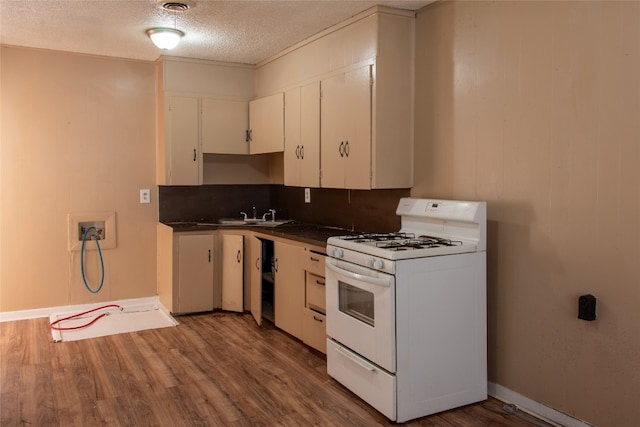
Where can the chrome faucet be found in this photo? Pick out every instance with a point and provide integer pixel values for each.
(271, 212)
(244, 216)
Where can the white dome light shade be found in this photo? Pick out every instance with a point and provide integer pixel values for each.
(165, 38)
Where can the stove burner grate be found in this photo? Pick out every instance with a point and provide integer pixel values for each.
(421, 242)
(378, 237)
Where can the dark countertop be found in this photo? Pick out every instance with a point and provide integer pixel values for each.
(306, 233)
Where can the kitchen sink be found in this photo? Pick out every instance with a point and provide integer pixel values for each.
(252, 221)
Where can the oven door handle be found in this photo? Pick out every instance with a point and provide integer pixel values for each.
(362, 277)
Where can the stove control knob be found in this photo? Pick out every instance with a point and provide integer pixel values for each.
(337, 253)
(378, 264)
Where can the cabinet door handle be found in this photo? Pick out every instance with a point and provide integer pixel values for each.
(238, 256)
(314, 259)
(319, 282)
(195, 155)
(275, 264)
(247, 137)
(341, 149)
(302, 152)
(346, 149)
(297, 152)
(317, 319)
(209, 255)
(258, 263)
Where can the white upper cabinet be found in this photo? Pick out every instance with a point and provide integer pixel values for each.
(224, 126)
(365, 67)
(346, 130)
(302, 136)
(183, 165)
(266, 124)
(202, 107)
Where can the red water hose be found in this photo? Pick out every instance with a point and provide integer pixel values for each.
(73, 316)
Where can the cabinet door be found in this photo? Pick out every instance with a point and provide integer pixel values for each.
(266, 121)
(310, 135)
(292, 137)
(255, 249)
(346, 130)
(232, 268)
(289, 283)
(333, 131)
(224, 126)
(302, 136)
(184, 162)
(195, 272)
(358, 146)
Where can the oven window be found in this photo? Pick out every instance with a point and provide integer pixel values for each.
(357, 303)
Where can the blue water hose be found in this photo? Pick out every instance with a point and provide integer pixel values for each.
(84, 278)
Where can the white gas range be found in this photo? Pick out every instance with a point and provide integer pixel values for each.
(406, 311)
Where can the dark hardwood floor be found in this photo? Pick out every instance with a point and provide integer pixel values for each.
(212, 370)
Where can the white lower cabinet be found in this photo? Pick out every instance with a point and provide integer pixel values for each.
(232, 272)
(193, 272)
(314, 325)
(255, 277)
(288, 288)
(314, 330)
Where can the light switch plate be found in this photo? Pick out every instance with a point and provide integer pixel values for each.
(145, 195)
(307, 195)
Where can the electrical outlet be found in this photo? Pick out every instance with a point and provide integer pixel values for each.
(145, 195)
(307, 195)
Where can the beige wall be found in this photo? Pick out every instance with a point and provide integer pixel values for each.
(77, 136)
(535, 107)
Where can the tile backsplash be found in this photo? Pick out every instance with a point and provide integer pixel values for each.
(359, 210)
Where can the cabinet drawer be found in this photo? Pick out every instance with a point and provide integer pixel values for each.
(315, 292)
(313, 262)
(314, 331)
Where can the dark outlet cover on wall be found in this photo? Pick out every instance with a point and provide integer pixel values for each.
(587, 307)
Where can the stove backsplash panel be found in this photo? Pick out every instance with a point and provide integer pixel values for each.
(358, 210)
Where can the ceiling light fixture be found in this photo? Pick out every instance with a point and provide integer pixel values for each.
(165, 38)
(168, 38)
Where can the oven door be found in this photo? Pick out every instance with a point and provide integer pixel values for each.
(360, 305)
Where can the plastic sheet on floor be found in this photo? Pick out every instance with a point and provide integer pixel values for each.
(115, 321)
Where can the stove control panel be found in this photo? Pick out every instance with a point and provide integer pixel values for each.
(360, 259)
(375, 263)
(335, 252)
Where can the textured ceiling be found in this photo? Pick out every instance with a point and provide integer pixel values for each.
(242, 31)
